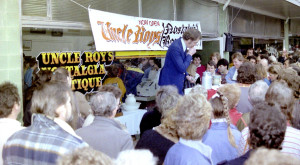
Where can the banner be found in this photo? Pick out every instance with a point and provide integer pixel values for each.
(116, 32)
(87, 69)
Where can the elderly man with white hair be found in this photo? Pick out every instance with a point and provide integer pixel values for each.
(256, 94)
(105, 134)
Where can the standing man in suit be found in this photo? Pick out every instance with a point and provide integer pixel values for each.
(178, 60)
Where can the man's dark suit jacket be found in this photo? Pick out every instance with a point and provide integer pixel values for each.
(176, 63)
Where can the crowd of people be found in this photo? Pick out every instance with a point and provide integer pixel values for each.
(252, 118)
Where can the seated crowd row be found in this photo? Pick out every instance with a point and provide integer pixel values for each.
(230, 127)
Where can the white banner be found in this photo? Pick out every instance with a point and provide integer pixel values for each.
(116, 32)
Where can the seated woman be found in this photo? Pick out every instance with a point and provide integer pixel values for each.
(211, 67)
(192, 121)
(232, 92)
(267, 129)
(221, 132)
(237, 59)
(261, 73)
(166, 100)
(222, 66)
(161, 138)
(114, 80)
(274, 71)
(290, 76)
(215, 57)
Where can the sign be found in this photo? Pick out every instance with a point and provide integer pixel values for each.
(87, 68)
(116, 32)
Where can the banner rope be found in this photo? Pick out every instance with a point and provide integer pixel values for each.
(80, 4)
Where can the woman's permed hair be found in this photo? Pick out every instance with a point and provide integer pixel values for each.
(85, 156)
(166, 99)
(193, 116)
(265, 156)
(232, 92)
(267, 126)
(246, 73)
(279, 93)
(290, 76)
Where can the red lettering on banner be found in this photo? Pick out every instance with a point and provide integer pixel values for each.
(143, 22)
(154, 23)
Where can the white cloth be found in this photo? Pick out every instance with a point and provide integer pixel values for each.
(130, 119)
(7, 128)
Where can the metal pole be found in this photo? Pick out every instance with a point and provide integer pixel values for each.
(140, 8)
(174, 9)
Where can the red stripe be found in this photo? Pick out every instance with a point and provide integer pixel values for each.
(290, 153)
(291, 142)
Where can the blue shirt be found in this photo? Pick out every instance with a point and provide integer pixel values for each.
(217, 138)
(267, 81)
(189, 152)
(229, 75)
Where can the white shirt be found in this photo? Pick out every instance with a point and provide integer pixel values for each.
(65, 126)
(183, 44)
(220, 120)
(7, 127)
(234, 77)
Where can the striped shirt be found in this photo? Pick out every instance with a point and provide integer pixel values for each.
(290, 144)
(41, 143)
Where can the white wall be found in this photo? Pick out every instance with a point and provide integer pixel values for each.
(48, 43)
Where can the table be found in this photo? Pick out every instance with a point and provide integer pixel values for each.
(132, 120)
